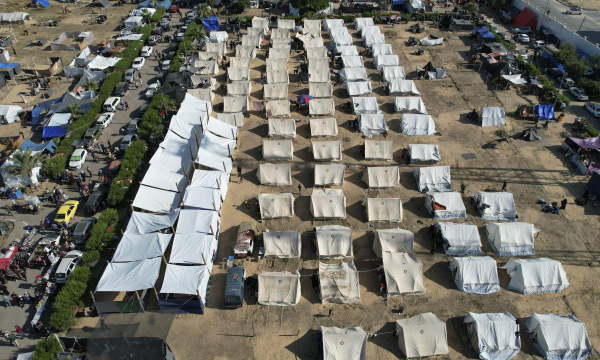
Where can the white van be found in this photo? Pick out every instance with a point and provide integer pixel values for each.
(67, 265)
(111, 104)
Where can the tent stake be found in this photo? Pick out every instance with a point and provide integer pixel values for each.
(155, 293)
(139, 300)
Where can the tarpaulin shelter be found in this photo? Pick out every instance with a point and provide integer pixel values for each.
(244, 51)
(234, 104)
(475, 274)
(194, 249)
(191, 281)
(337, 31)
(431, 40)
(496, 205)
(373, 39)
(248, 40)
(338, 283)
(422, 335)
(304, 99)
(379, 149)
(27, 144)
(252, 31)
(130, 276)
(559, 337)
(274, 174)
(459, 239)
(286, 24)
(328, 204)
(327, 150)
(483, 33)
(525, 18)
(274, 206)
(312, 24)
(277, 150)
(403, 274)
(544, 112)
(282, 128)
(134, 247)
(278, 288)
(381, 49)
(346, 49)
(344, 343)
(511, 239)
(385, 60)
(320, 90)
(333, 241)
(358, 88)
(321, 107)
(417, 124)
(423, 153)
(374, 29)
(198, 221)
(370, 124)
(494, 336)
(42, 3)
(275, 108)
(323, 127)
(332, 23)
(353, 74)
(365, 105)
(316, 52)
(383, 209)
(280, 33)
(393, 240)
(160, 178)
(381, 176)
(319, 75)
(200, 197)
(13, 17)
(238, 74)
(282, 244)
(433, 178)
(318, 63)
(329, 174)
(235, 119)
(216, 180)
(277, 64)
(359, 23)
(144, 223)
(341, 40)
(279, 53)
(278, 91)
(352, 61)
(536, 276)
(239, 88)
(218, 36)
(446, 205)
(410, 103)
(493, 116)
(260, 22)
(218, 48)
(278, 76)
(211, 23)
(389, 73)
(10, 113)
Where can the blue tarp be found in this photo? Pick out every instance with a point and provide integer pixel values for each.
(484, 32)
(211, 24)
(544, 112)
(48, 145)
(36, 118)
(8, 65)
(42, 3)
(549, 57)
(164, 3)
(50, 132)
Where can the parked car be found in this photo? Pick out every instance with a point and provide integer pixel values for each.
(538, 44)
(503, 36)
(66, 212)
(127, 140)
(179, 36)
(105, 119)
(522, 53)
(77, 159)
(593, 108)
(522, 30)
(234, 288)
(574, 11)
(523, 38)
(147, 51)
(82, 230)
(132, 126)
(138, 63)
(111, 104)
(121, 88)
(152, 40)
(158, 30)
(165, 65)
(555, 72)
(164, 21)
(578, 93)
(152, 90)
(66, 266)
(173, 9)
(93, 202)
(92, 134)
(131, 75)
(567, 82)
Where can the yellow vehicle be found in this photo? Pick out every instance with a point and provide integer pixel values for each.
(66, 212)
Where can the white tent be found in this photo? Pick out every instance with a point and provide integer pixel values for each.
(144, 223)
(279, 53)
(274, 174)
(511, 239)
(381, 176)
(282, 244)
(277, 64)
(281, 44)
(10, 113)
(245, 51)
(431, 40)
(370, 124)
(422, 335)
(346, 49)
(319, 75)
(336, 31)
(339, 283)
(220, 128)
(379, 149)
(280, 33)
(372, 29)
(218, 36)
(215, 152)
(277, 150)
(233, 104)
(344, 344)
(403, 274)
(381, 49)
(273, 206)
(493, 116)
(239, 88)
(399, 86)
(282, 128)
(328, 204)
(534, 276)
(459, 239)
(321, 107)
(410, 103)
(130, 276)
(172, 159)
(194, 248)
(156, 200)
(332, 23)
(135, 247)
(216, 47)
(275, 108)
(238, 74)
(276, 91)
(373, 39)
(217, 180)
(475, 274)
(205, 94)
(203, 198)
(204, 55)
(254, 31)
(352, 61)
(423, 153)
(286, 24)
(279, 289)
(327, 150)
(248, 40)
(334, 241)
(559, 337)
(353, 74)
(393, 240)
(320, 90)
(316, 52)
(358, 88)
(239, 62)
(496, 205)
(198, 221)
(329, 174)
(260, 22)
(494, 336)
(318, 63)
(133, 21)
(342, 40)
(323, 127)
(235, 119)
(275, 76)
(389, 73)
(159, 178)
(385, 60)
(383, 209)
(183, 127)
(208, 67)
(359, 23)
(446, 205)
(433, 178)
(186, 280)
(417, 124)
(365, 105)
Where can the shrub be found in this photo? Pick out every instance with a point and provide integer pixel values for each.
(565, 99)
(47, 349)
(110, 217)
(90, 257)
(130, 166)
(591, 87)
(591, 130)
(158, 14)
(54, 166)
(101, 234)
(69, 298)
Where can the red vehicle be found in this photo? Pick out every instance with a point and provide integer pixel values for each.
(173, 9)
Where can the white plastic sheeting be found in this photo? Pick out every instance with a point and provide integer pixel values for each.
(320, 90)
(144, 223)
(220, 128)
(393, 240)
(373, 39)
(260, 22)
(389, 73)
(235, 119)
(381, 49)
(318, 63)
(282, 128)
(252, 31)
(218, 36)
(496, 205)
(446, 205)
(101, 62)
(381, 176)
(342, 40)
(352, 61)
(239, 88)
(327, 150)
(188, 280)
(344, 344)
(403, 274)
(339, 284)
(323, 127)
(423, 152)
(511, 239)
(274, 174)
(383, 209)
(202, 198)
(370, 124)
(316, 52)
(353, 74)
(535, 276)
(279, 53)
(430, 40)
(286, 24)
(277, 150)
(319, 75)
(280, 33)
(233, 104)
(365, 105)
(328, 204)
(433, 178)
(334, 241)
(374, 29)
(321, 107)
(135, 247)
(198, 221)
(459, 239)
(277, 108)
(248, 40)
(346, 49)
(11, 113)
(274, 206)
(216, 47)
(279, 289)
(329, 174)
(359, 23)
(245, 51)
(399, 86)
(156, 200)
(337, 31)
(422, 335)
(332, 23)
(238, 74)
(358, 88)
(194, 248)
(559, 337)
(282, 244)
(215, 152)
(276, 91)
(494, 336)
(379, 149)
(239, 62)
(417, 124)
(410, 103)
(493, 116)
(277, 76)
(130, 276)
(475, 274)
(385, 60)
(208, 67)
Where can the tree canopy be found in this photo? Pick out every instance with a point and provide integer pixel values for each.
(310, 5)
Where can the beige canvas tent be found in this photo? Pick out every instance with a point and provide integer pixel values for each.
(286, 24)
(327, 150)
(279, 288)
(219, 48)
(276, 64)
(316, 52)
(339, 283)
(277, 91)
(383, 209)
(319, 75)
(328, 204)
(260, 22)
(379, 149)
(318, 63)
(275, 206)
(235, 119)
(234, 104)
(393, 240)
(245, 51)
(204, 67)
(203, 55)
(282, 244)
(279, 53)
(321, 107)
(381, 176)
(275, 108)
(277, 76)
(248, 40)
(239, 88)
(282, 128)
(323, 127)
(320, 90)
(274, 174)
(238, 74)
(239, 62)
(329, 174)
(403, 274)
(344, 344)
(205, 94)
(280, 43)
(422, 335)
(280, 34)
(278, 150)
(254, 31)
(334, 241)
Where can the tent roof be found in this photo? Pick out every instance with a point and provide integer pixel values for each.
(381, 176)
(424, 152)
(422, 335)
(359, 88)
(275, 174)
(277, 150)
(339, 282)
(474, 270)
(276, 91)
(498, 205)
(346, 49)
(203, 198)
(381, 49)
(388, 73)
(417, 124)
(433, 178)
(282, 244)
(328, 204)
(134, 247)
(130, 276)
(321, 107)
(278, 288)
(211, 180)
(509, 239)
(159, 178)
(347, 344)
(327, 150)
(193, 248)
(198, 221)
(349, 74)
(497, 334)
(462, 235)
(282, 128)
(274, 206)
(384, 209)
(403, 274)
(156, 200)
(320, 90)
(370, 124)
(410, 103)
(144, 223)
(379, 149)
(536, 275)
(393, 240)
(559, 333)
(329, 174)
(401, 86)
(188, 280)
(277, 108)
(493, 116)
(365, 105)
(334, 241)
(323, 127)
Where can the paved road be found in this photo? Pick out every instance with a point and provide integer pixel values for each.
(591, 24)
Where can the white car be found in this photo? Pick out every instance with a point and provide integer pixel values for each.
(164, 21)
(179, 36)
(131, 75)
(523, 38)
(138, 63)
(567, 83)
(77, 159)
(152, 90)
(574, 11)
(578, 93)
(522, 53)
(538, 44)
(593, 108)
(105, 119)
(522, 30)
(147, 51)
(165, 65)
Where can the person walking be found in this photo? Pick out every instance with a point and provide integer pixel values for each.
(504, 185)
(82, 175)
(13, 340)
(126, 105)
(19, 331)
(239, 171)
(299, 189)
(6, 300)
(462, 188)
(89, 170)
(563, 204)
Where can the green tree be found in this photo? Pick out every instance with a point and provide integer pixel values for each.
(91, 86)
(566, 53)
(591, 87)
(23, 162)
(146, 15)
(54, 166)
(74, 109)
(577, 67)
(47, 349)
(310, 5)
(594, 61)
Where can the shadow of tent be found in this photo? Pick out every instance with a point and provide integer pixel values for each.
(354, 153)
(302, 208)
(261, 130)
(309, 292)
(303, 130)
(363, 247)
(341, 92)
(388, 108)
(441, 275)
(309, 248)
(369, 279)
(356, 179)
(422, 238)
(388, 342)
(308, 346)
(458, 340)
(305, 154)
(305, 177)
(526, 341)
(357, 211)
(380, 90)
(407, 180)
(416, 206)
